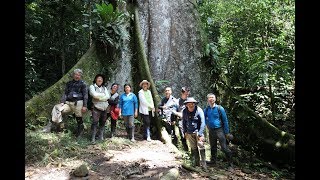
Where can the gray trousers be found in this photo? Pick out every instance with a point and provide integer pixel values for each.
(214, 135)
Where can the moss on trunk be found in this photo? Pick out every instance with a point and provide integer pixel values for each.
(254, 132)
(38, 109)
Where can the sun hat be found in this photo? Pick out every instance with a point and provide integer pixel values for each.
(145, 81)
(190, 100)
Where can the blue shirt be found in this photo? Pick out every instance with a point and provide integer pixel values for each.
(128, 104)
(211, 115)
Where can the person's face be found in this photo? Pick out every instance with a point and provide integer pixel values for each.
(211, 99)
(190, 106)
(77, 76)
(145, 86)
(114, 88)
(167, 92)
(185, 94)
(99, 81)
(127, 89)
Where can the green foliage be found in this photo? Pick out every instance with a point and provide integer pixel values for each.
(251, 44)
(54, 41)
(161, 85)
(109, 25)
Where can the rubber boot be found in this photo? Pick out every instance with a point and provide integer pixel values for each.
(132, 134)
(113, 128)
(128, 133)
(93, 133)
(203, 159)
(148, 135)
(80, 127)
(101, 131)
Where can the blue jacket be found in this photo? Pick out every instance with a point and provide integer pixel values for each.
(128, 104)
(212, 118)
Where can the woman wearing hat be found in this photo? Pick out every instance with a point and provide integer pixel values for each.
(146, 107)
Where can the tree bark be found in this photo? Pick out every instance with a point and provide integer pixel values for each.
(38, 109)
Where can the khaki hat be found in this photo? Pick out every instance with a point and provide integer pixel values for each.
(190, 100)
(145, 81)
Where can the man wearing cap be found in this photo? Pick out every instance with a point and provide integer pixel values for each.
(193, 126)
(218, 128)
(146, 107)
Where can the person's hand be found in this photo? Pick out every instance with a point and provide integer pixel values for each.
(62, 104)
(229, 136)
(201, 138)
(83, 109)
(135, 114)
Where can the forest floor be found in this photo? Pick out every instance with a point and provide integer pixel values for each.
(118, 158)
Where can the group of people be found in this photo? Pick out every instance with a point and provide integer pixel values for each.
(182, 112)
(192, 120)
(105, 104)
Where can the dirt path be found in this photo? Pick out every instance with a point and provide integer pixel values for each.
(124, 159)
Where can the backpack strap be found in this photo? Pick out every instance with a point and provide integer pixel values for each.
(220, 116)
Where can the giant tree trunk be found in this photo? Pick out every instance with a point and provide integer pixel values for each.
(167, 46)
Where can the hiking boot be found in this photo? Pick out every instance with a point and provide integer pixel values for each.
(149, 139)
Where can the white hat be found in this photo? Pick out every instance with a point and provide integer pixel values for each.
(145, 81)
(189, 100)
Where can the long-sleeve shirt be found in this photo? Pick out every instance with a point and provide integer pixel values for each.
(100, 96)
(193, 122)
(145, 101)
(128, 103)
(212, 118)
(114, 99)
(75, 91)
(170, 103)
